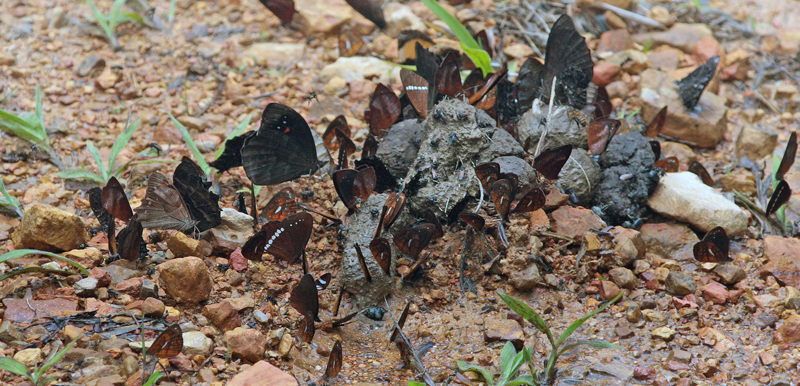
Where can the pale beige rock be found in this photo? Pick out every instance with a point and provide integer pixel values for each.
(359, 67)
(263, 374)
(681, 35)
(322, 16)
(273, 54)
(756, 143)
(399, 17)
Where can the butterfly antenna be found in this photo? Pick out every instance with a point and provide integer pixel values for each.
(549, 115)
(480, 186)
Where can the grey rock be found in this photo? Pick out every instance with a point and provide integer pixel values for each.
(19, 31)
(581, 174)
(399, 147)
(235, 229)
(149, 289)
(85, 287)
(627, 179)
(119, 273)
(567, 126)
(680, 283)
(9, 333)
(765, 320)
(729, 273)
(524, 279)
(56, 18)
(517, 166)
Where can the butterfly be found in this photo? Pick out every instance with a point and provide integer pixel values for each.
(384, 110)
(713, 248)
(305, 300)
(130, 241)
(502, 192)
(411, 240)
(168, 344)
(472, 219)
(788, 157)
(600, 132)
(334, 362)
(115, 201)
(282, 150)
(698, 168)
(350, 42)
(406, 45)
(655, 126)
(202, 203)
(668, 165)
(550, 161)
(691, 87)
(285, 239)
(354, 186)
(780, 196)
(394, 205)
(283, 204)
(231, 155)
(370, 9)
(283, 9)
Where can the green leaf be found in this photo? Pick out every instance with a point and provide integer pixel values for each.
(480, 57)
(116, 14)
(120, 143)
(574, 326)
(154, 377)
(21, 125)
(14, 366)
(406, 66)
(190, 142)
(598, 344)
(506, 359)
(468, 43)
(528, 313)
(522, 380)
(237, 131)
(132, 17)
(20, 271)
(40, 112)
(486, 374)
(415, 383)
(56, 358)
(98, 160)
(10, 200)
(17, 253)
(76, 174)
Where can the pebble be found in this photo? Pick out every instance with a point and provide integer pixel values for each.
(782, 253)
(680, 283)
(262, 374)
(9, 333)
(186, 280)
(715, 292)
(248, 344)
(634, 314)
(729, 273)
(755, 142)
(359, 67)
(624, 332)
(85, 287)
(573, 222)
(148, 289)
(663, 333)
(197, 343)
(504, 330)
(399, 17)
(623, 278)
(50, 229)
(153, 307)
(272, 54)
(683, 197)
(223, 315)
(524, 279)
(232, 233)
(89, 258)
(680, 35)
(91, 67)
(182, 245)
(285, 346)
(29, 356)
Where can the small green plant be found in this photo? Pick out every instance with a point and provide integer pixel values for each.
(107, 170)
(187, 137)
(647, 46)
(9, 202)
(18, 253)
(28, 126)
(108, 23)
(511, 361)
(472, 48)
(153, 378)
(35, 377)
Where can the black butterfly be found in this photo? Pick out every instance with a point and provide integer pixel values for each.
(231, 157)
(691, 87)
(282, 150)
(202, 203)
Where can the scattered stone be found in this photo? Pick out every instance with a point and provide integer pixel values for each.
(684, 197)
(783, 260)
(263, 374)
(681, 35)
(624, 332)
(680, 283)
(605, 73)
(399, 17)
(324, 18)
(89, 258)
(248, 344)
(634, 314)
(285, 346)
(608, 290)
(524, 279)
(573, 222)
(182, 245)
(765, 320)
(715, 292)
(49, 229)
(153, 307)
(9, 333)
(632, 62)
(232, 233)
(504, 330)
(661, 15)
(680, 356)
(148, 289)
(22, 310)
(130, 287)
(196, 343)
(663, 333)
(713, 338)
(683, 153)
(29, 356)
(644, 373)
(629, 246)
(56, 18)
(789, 38)
(118, 273)
(729, 273)
(186, 280)
(273, 54)
(670, 241)
(85, 287)
(664, 58)
(614, 41)
(360, 67)
(223, 315)
(7, 59)
(581, 173)
(91, 67)
(654, 316)
(624, 278)
(765, 301)
(755, 143)
(108, 78)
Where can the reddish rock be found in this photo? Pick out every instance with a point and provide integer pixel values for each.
(153, 307)
(644, 373)
(604, 73)
(575, 221)
(263, 374)
(665, 58)
(670, 241)
(789, 331)
(186, 280)
(102, 308)
(223, 315)
(238, 261)
(715, 292)
(506, 330)
(248, 344)
(676, 366)
(102, 276)
(614, 41)
(783, 255)
(687, 301)
(19, 310)
(714, 338)
(131, 286)
(608, 290)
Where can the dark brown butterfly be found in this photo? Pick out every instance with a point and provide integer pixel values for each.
(129, 240)
(788, 157)
(394, 206)
(382, 252)
(691, 87)
(370, 147)
(370, 9)
(411, 240)
(253, 248)
(202, 203)
(656, 147)
(287, 239)
(334, 362)
(283, 204)
(417, 264)
(283, 9)
(602, 104)
(698, 168)
(487, 174)
(115, 201)
(241, 205)
(479, 91)
(427, 64)
(447, 78)
(330, 325)
(714, 247)
(417, 90)
(501, 192)
(406, 45)
(305, 300)
(96, 202)
(505, 105)
(282, 150)
(400, 322)
(163, 207)
(231, 156)
(657, 123)
(780, 196)
(346, 148)
(363, 264)
(550, 161)
(668, 165)
(354, 186)
(599, 133)
(323, 281)
(168, 344)
(567, 59)
(350, 42)
(472, 219)
(431, 218)
(330, 138)
(529, 83)
(384, 109)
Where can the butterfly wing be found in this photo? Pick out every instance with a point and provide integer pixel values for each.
(202, 203)
(691, 87)
(169, 343)
(567, 58)
(129, 240)
(163, 207)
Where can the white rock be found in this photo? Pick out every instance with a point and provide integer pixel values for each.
(196, 343)
(273, 54)
(399, 17)
(359, 67)
(683, 197)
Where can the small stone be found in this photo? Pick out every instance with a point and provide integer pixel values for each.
(716, 339)
(517, 50)
(263, 374)
(680, 35)
(765, 320)
(9, 333)
(680, 283)
(605, 72)
(664, 58)
(680, 356)
(149, 289)
(503, 330)
(715, 292)
(182, 245)
(232, 233)
(624, 332)
(399, 17)
(634, 314)
(50, 229)
(573, 222)
(755, 142)
(644, 373)
(29, 356)
(654, 316)
(623, 277)
(729, 273)
(186, 280)
(661, 15)
(782, 253)
(324, 18)
(108, 78)
(102, 276)
(285, 345)
(359, 67)
(196, 343)
(261, 317)
(663, 333)
(524, 279)
(765, 300)
(85, 287)
(222, 315)
(91, 67)
(614, 41)
(248, 344)
(272, 54)
(683, 153)
(89, 258)
(608, 290)
(152, 92)
(130, 287)
(335, 86)
(682, 196)
(153, 307)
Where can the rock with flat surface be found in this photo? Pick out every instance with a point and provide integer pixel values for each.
(273, 54)
(574, 222)
(196, 343)
(681, 35)
(783, 260)
(248, 344)
(186, 280)
(683, 197)
(755, 142)
(232, 233)
(360, 67)
(322, 16)
(263, 374)
(670, 241)
(506, 330)
(49, 229)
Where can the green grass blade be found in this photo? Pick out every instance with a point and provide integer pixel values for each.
(598, 344)
(480, 57)
(171, 15)
(522, 380)
(506, 358)
(25, 270)
(574, 326)
(21, 125)
(76, 174)
(153, 378)
(98, 160)
(467, 41)
(486, 374)
(56, 358)
(116, 13)
(120, 143)
(14, 366)
(17, 253)
(10, 200)
(190, 142)
(237, 131)
(40, 114)
(529, 314)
